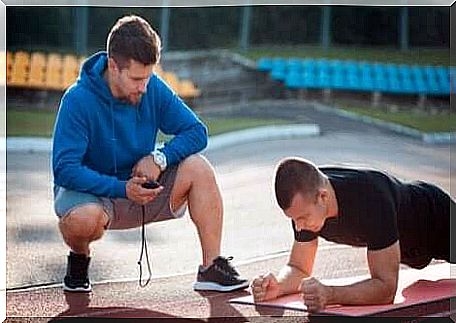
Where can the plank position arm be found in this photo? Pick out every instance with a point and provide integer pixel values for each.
(296, 277)
(299, 266)
(380, 288)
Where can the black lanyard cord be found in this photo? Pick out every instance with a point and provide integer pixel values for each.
(144, 251)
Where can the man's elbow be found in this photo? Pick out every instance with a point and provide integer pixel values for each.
(57, 174)
(389, 293)
(203, 136)
(387, 299)
(64, 175)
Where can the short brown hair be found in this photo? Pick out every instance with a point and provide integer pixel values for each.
(296, 175)
(133, 38)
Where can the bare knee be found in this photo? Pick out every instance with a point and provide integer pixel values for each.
(197, 167)
(194, 173)
(86, 223)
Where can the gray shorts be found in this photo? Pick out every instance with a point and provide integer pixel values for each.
(123, 213)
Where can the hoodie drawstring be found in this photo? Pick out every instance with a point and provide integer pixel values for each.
(113, 139)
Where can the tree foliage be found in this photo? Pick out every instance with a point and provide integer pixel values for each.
(54, 28)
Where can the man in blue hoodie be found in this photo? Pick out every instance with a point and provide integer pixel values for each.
(104, 153)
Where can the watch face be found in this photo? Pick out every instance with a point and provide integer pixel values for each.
(159, 159)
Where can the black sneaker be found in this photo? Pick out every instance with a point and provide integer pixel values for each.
(77, 279)
(220, 276)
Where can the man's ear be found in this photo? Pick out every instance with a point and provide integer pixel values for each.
(112, 65)
(322, 196)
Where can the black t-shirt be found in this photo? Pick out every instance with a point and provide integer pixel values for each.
(377, 209)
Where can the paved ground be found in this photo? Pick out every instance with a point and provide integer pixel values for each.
(167, 298)
(253, 226)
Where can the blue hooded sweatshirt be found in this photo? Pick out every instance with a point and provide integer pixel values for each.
(98, 139)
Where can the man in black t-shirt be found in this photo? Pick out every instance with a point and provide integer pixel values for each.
(399, 222)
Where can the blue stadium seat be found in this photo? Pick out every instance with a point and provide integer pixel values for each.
(392, 75)
(443, 79)
(293, 79)
(338, 78)
(453, 80)
(431, 78)
(278, 69)
(294, 64)
(264, 64)
(367, 80)
(419, 79)
(353, 75)
(323, 77)
(379, 75)
(361, 76)
(405, 76)
(293, 70)
(442, 72)
(308, 74)
(351, 67)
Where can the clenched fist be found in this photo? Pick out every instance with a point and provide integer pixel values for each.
(314, 294)
(265, 287)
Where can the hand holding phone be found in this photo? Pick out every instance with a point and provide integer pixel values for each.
(150, 184)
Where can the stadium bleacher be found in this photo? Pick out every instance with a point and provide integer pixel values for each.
(9, 65)
(360, 76)
(53, 78)
(70, 70)
(3, 63)
(55, 72)
(20, 68)
(37, 70)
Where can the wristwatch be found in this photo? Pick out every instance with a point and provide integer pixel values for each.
(159, 159)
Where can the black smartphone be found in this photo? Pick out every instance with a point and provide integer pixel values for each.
(151, 184)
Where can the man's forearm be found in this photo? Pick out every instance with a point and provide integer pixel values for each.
(289, 279)
(370, 291)
(187, 143)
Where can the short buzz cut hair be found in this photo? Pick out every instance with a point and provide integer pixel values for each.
(132, 37)
(296, 175)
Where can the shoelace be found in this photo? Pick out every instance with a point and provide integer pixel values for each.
(224, 265)
(144, 251)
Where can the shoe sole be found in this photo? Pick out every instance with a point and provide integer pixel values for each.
(77, 290)
(208, 286)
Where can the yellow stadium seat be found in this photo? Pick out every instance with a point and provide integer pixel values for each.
(20, 70)
(53, 79)
(70, 70)
(172, 80)
(37, 71)
(2, 68)
(188, 90)
(9, 64)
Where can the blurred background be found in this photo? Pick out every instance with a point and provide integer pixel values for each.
(83, 30)
(393, 59)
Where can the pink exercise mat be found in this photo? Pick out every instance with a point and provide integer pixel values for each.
(415, 287)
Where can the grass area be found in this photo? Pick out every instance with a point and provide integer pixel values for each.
(416, 120)
(40, 123)
(222, 125)
(29, 123)
(386, 55)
